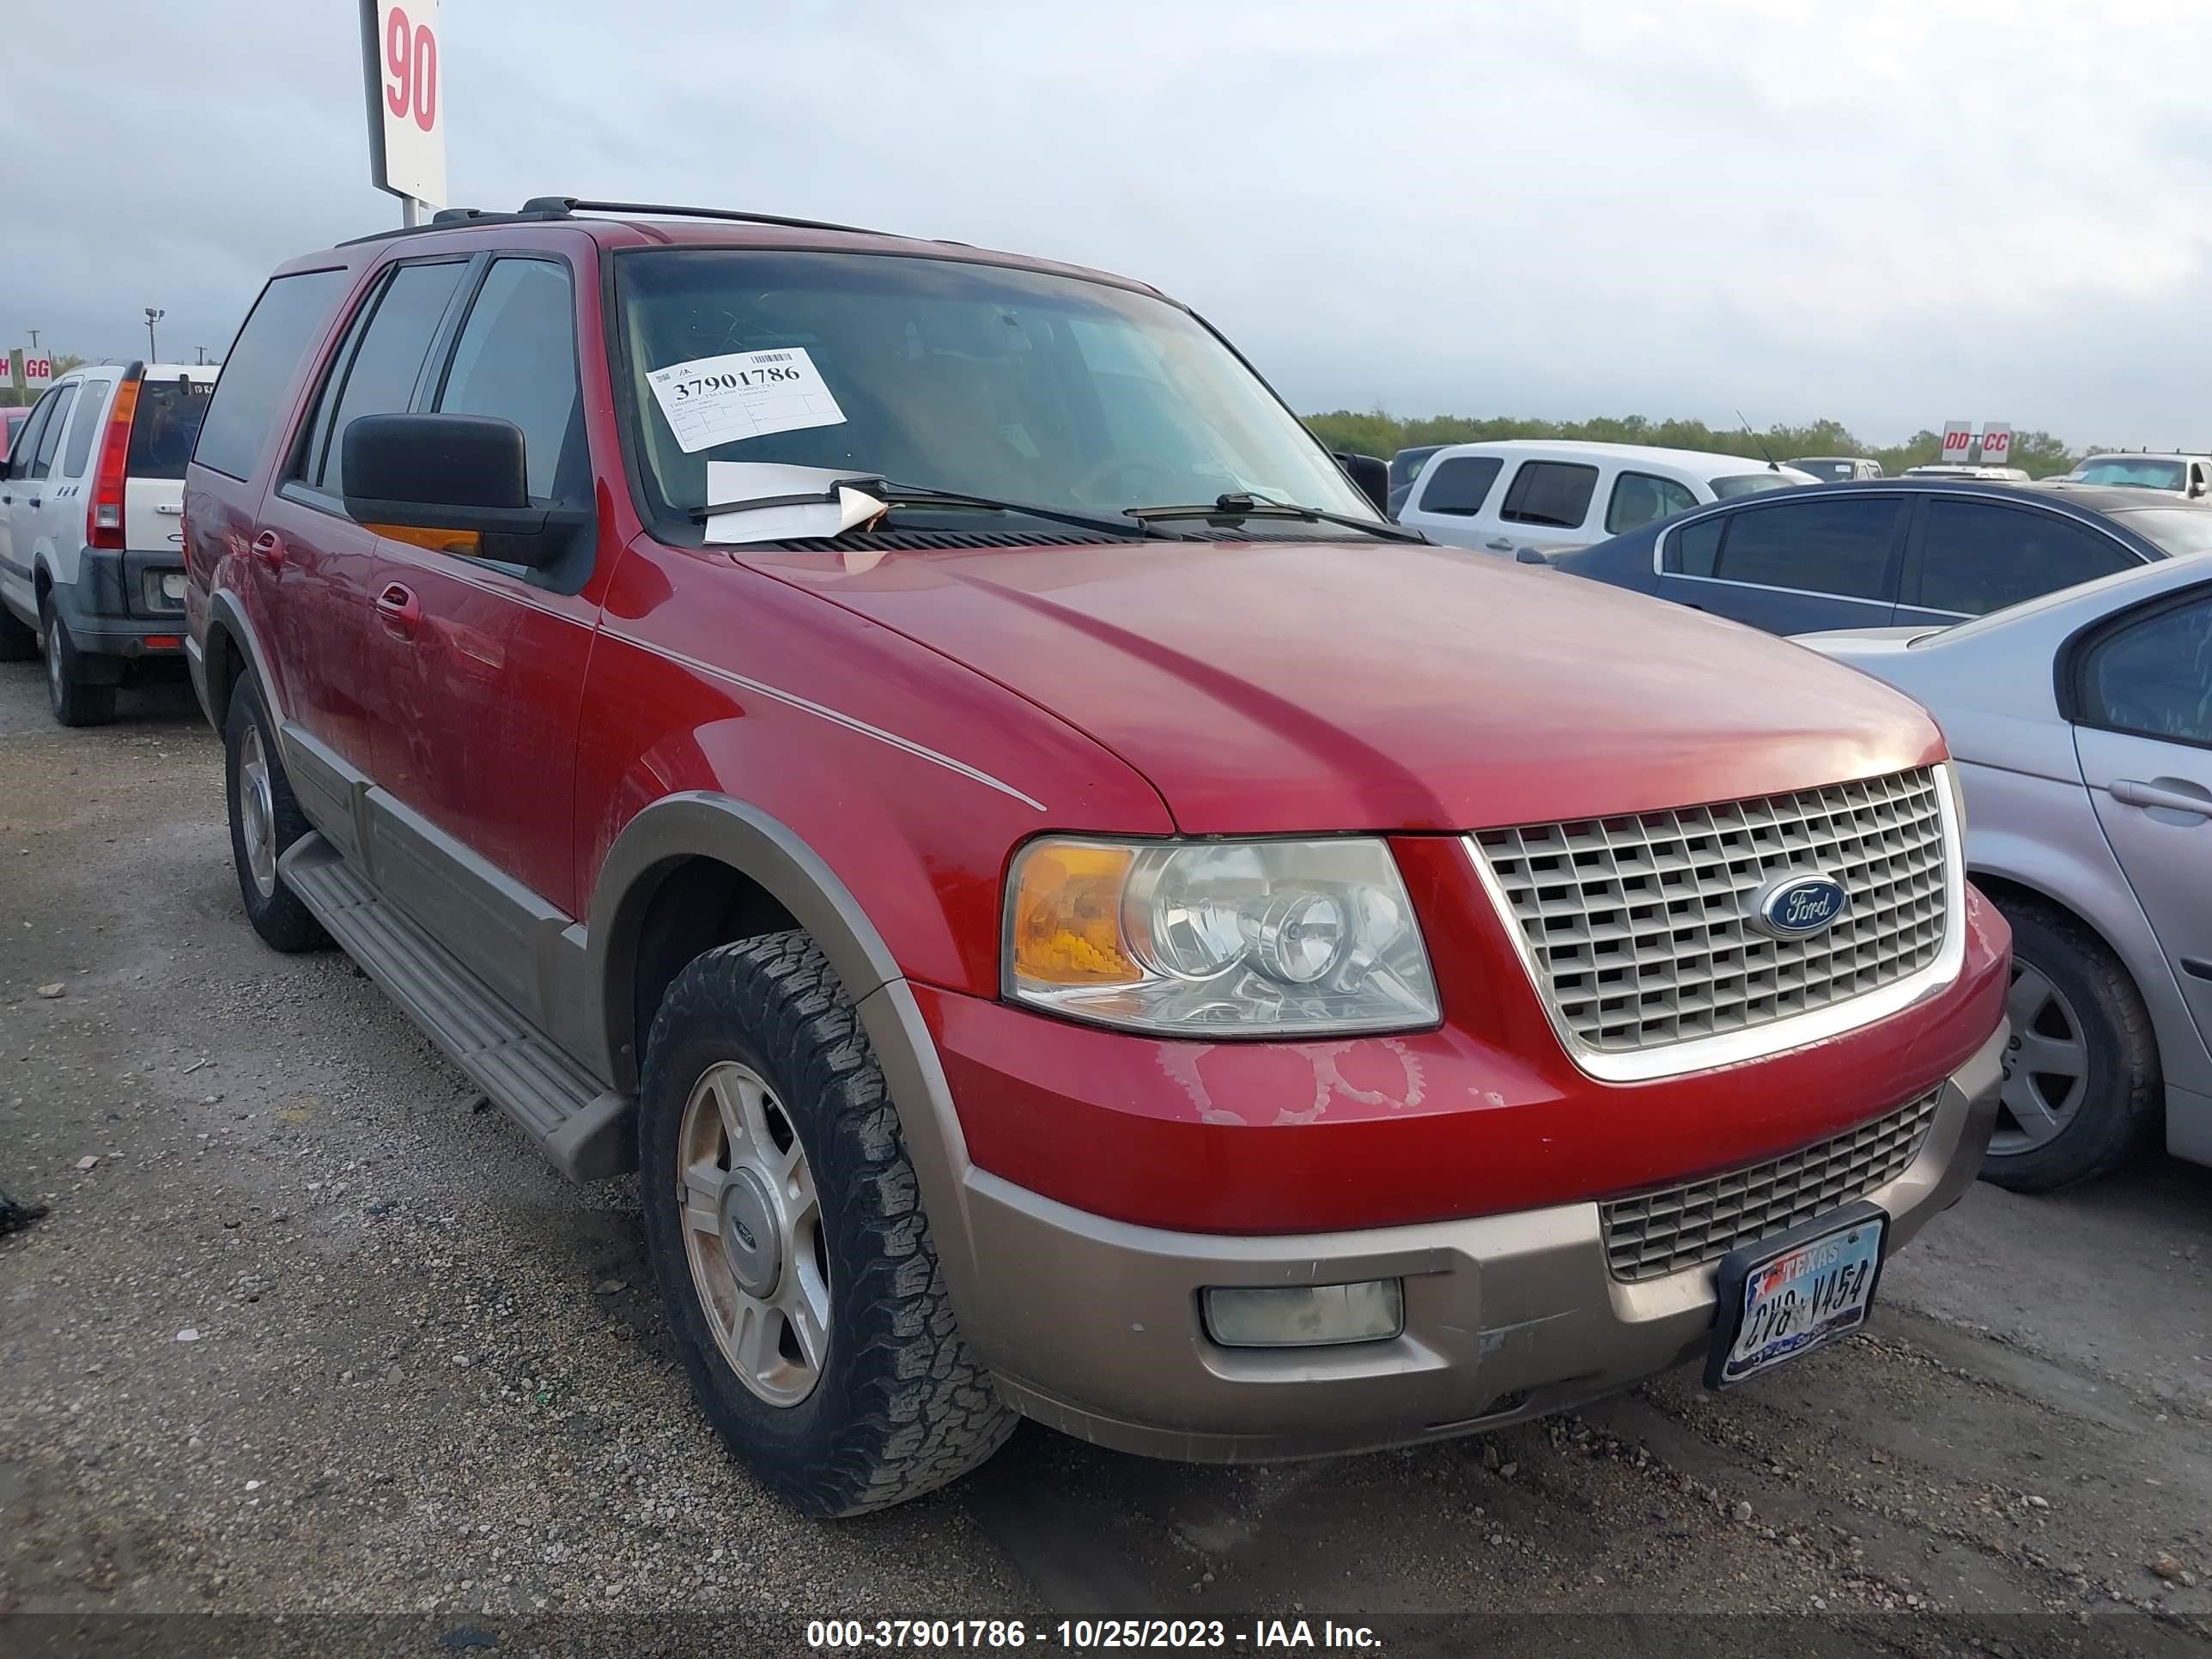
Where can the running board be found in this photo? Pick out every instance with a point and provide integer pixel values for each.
(588, 1132)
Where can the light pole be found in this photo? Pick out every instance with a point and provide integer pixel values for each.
(153, 316)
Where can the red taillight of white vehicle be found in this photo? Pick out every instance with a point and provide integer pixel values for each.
(103, 519)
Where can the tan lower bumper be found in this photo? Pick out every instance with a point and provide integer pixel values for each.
(1092, 1326)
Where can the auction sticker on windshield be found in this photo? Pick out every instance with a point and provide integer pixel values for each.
(1787, 1294)
(743, 394)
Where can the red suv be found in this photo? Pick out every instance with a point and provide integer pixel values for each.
(1067, 909)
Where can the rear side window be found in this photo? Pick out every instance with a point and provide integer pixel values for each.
(1460, 485)
(1840, 547)
(249, 392)
(1556, 493)
(2154, 678)
(1639, 498)
(1695, 549)
(24, 452)
(166, 423)
(1976, 557)
(42, 464)
(516, 359)
(78, 451)
(379, 374)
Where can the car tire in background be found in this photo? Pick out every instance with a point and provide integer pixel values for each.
(19, 640)
(264, 821)
(786, 1231)
(2081, 1086)
(74, 698)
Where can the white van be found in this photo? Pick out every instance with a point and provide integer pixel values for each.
(92, 556)
(1555, 493)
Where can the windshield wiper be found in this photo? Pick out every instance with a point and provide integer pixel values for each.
(894, 495)
(1244, 505)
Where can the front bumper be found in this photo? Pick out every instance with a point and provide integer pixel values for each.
(1093, 1325)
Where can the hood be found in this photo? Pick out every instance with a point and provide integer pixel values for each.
(1294, 686)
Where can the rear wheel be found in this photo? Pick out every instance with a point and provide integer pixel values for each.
(2081, 1082)
(72, 694)
(785, 1230)
(264, 821)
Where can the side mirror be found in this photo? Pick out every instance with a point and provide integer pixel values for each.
(1373, 474)
(462, 478)
(2197, 489)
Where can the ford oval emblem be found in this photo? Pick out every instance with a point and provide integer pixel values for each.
(1793, 905)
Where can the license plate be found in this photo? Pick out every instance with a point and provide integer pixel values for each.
(1787, 1294)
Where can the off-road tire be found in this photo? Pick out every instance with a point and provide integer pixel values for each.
(284, 922)
(73, 698)
(2123, 1092)
(19, 640)
(902, 1406)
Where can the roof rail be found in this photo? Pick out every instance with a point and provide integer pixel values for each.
(562, 206)
(453, 218)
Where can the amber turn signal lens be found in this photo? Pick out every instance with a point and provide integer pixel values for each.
(1068, 914)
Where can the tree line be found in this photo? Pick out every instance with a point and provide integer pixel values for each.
(1376, 433)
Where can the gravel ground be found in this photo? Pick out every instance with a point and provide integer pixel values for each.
(308, 1333)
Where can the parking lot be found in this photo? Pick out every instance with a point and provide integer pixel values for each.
(307, 1331)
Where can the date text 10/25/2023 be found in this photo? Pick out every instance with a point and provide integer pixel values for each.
(1082, 1635)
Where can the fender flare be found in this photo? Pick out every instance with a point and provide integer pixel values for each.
(699, 823)
(226, 623)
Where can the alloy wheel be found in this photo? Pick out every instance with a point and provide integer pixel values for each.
(752, 1233)
(256, 812)
(2046, 1065)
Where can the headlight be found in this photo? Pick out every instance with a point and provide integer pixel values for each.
(1296, 938)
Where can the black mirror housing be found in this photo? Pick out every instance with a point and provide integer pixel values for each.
(464, 475)
(1373, 474)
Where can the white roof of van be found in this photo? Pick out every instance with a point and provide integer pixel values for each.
(1689, 459)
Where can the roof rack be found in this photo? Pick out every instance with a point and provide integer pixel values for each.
(540, 208)
(563, 206)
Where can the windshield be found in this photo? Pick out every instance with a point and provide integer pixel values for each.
(1750, 483)
(2138, 470)
(2179, 530)
(1018, 384)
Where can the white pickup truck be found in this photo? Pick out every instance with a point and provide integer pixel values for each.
(1552, 495)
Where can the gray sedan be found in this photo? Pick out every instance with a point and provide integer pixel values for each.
(2082, 725)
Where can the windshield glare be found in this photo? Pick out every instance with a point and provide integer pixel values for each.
(1014, 384)
(2177, 529)
(1750, 483)
(2132, 470)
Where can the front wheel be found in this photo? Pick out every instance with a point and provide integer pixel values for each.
(19, 640)
(786, 1233)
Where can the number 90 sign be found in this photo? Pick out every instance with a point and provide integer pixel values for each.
(406, 97)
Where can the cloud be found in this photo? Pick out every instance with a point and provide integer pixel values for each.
(1892, 213)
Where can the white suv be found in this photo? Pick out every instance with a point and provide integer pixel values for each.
(92, 553)
(1552, 495)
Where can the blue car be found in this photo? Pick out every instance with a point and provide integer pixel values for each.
(1890, 551)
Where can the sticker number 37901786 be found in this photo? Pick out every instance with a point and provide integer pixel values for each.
(711, 401)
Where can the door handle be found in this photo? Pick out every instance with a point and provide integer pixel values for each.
(2168, 795)
(269, 548)
(400, 610)
(34, 501)
(1501, 545)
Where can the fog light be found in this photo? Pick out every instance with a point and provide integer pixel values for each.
(1304, 1315)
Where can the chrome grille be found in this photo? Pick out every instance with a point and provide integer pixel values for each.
(1639, 925)
(1688, 1226)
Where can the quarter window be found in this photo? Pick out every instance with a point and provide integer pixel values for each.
(1836, 546)
(1555, 493)
(1460, 485)
(517, 360)
(1639, 498)
(42, 464)
(2154, 678)
(1975, 557)
(88, 410)
(1694, 550)
(382, 374)
(250, 390)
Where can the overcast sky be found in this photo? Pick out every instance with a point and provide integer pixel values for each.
(1892, 214)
